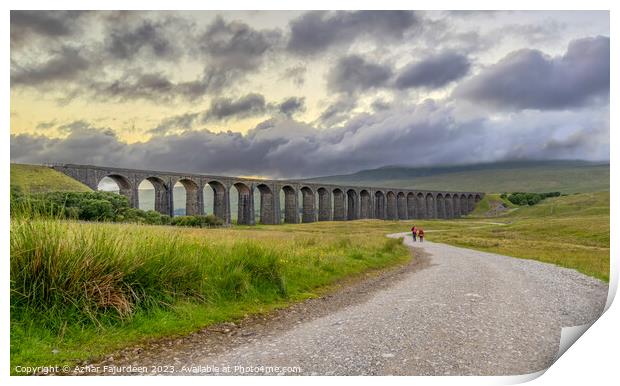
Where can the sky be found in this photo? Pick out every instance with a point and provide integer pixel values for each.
(307, 93)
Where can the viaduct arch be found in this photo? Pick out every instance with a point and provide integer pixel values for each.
(319, 202)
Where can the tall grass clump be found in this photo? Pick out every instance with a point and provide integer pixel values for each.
(86, 274)
(67, 272)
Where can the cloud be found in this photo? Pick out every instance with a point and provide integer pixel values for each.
(425, 134)
(434, 71)
(296, 74)
(243, 107)
(183, 121)
(126, 40)
(224, 109)
(136, 85)
(379, 105)
(156, 86)
(44, 125)
(354, 73)
(292, 105)
(337, 112)
(77, 126)
(66, 64)
(528, 79)
(235, 45)
(315, 31)
(126, 63)
(46, 24)
(251, 105)
(533, 33)
(220, 69)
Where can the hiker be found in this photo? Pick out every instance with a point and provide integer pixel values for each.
(414, 231)
(421, 234)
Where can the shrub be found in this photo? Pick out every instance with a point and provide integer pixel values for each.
(155, 218)
(96, 210)
(521, 198)
(97, 206)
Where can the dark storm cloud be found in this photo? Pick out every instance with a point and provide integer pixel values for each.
(66, 64)
(315, 31)
(424, 134)
(251, 105)
(434, 72)
(236, 45)
(48, 24)
(84, 141)
(126, 41)
(337, 112)
(245, 106)
(354, 73)
(124, 65)
(136, 85)
(528, 79)
(223, 109)
(292, 105)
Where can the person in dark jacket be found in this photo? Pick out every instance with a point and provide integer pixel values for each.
(414, 232)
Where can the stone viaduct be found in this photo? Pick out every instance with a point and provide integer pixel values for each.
(319, 202)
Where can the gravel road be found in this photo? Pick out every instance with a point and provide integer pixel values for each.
(463, 313)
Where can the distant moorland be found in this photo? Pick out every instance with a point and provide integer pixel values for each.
(522, 176)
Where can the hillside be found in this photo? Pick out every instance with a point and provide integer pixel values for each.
(571, 231)
(36, 179)
(527, 176)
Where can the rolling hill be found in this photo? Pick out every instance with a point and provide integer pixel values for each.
(37, 179)
(526, 176)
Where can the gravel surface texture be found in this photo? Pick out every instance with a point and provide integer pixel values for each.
(453, 311)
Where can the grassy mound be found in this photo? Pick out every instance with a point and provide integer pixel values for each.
(37, 179)
(492, 205)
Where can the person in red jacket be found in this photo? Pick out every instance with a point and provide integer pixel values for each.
(414, 231)
(421, 234)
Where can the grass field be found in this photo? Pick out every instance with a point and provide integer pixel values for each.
(82, 290)
(570, 231)
(36, 179)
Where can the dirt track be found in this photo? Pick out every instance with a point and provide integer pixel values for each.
(456, 312)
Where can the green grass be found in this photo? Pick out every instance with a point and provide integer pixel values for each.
(38, 179)
(531, 176)
(81, 290)
(87, 289)
(570, 231)
(490, 201)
